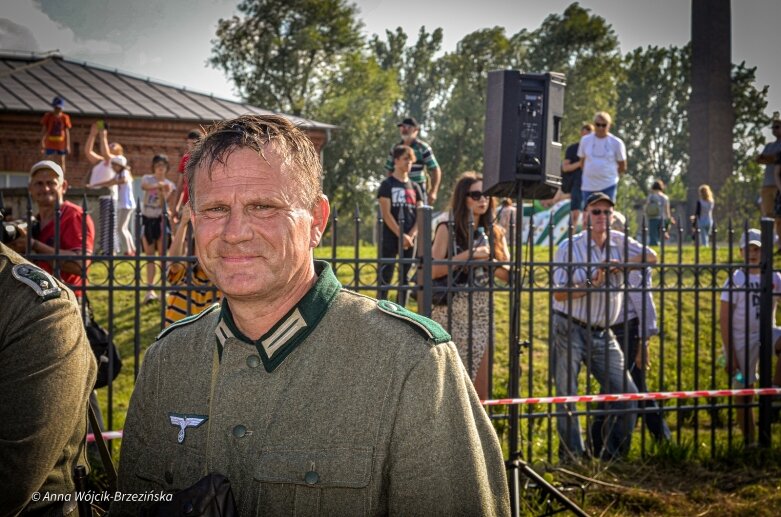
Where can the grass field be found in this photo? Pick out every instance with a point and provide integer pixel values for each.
(686, 475)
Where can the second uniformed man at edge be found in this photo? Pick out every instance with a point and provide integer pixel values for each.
(309, 398)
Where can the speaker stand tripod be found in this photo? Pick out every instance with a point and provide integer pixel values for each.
(516, 466)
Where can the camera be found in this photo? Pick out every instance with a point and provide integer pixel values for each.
(10, 230)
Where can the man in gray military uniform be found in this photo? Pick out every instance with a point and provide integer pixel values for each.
(311, 399)
(47, 371)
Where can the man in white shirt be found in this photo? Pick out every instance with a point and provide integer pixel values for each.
(603, 157)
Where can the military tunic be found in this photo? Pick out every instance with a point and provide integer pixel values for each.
(347, 406)
(47, 371)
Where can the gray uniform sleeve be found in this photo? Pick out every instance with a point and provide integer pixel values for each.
(445, 457)
(134, 441)
(47, 374)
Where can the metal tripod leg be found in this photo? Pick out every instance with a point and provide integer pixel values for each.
(517, 467)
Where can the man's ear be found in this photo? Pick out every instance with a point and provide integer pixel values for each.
(64, 186)
(320, 214)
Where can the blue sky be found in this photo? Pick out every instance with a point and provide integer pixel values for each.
(171, 40)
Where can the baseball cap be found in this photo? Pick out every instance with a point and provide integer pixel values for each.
(48, 164)
(119, 160)
(409, 121)
(57, 102)
(751, 236)
(599, 196)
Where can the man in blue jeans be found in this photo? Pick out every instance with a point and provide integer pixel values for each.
(588, 299)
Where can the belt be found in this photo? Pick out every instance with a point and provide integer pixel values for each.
(592, 328)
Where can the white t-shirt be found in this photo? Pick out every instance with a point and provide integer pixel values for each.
(153, 200)
(602, 156)
(101, 172)
(741, 312)
(126, 199)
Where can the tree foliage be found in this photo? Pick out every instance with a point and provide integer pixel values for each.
(651, 102)
(415, 67)
(282, 53)
(584, 47)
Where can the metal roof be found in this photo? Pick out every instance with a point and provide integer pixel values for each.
(29, 82)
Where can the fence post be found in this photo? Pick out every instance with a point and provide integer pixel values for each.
(765, 329)
(424, 251)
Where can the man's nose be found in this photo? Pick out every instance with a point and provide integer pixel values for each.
(237, 227)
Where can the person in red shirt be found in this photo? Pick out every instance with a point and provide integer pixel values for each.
(47, 189)
(181, 182)
(56, 139)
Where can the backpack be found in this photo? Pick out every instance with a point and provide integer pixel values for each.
(653, 208)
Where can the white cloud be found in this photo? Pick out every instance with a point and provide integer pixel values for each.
(27, 28)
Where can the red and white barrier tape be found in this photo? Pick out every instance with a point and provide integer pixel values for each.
(107, 435)
(622, 397)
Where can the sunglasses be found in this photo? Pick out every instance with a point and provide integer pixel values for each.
(475, 195)
(600, 124)
(600, 211)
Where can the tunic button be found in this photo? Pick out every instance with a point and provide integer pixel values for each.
(253, 361)
(169, 477)
(239, 431)
(311, 477)
(188, 508)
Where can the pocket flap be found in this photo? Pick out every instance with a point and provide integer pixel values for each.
(333, 467)
(174, 472)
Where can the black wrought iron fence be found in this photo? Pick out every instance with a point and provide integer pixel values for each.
(685, 284)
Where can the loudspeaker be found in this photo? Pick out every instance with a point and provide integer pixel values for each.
(522, 134)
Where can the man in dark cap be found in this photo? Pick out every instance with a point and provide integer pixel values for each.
(424, 159)
(588, 299)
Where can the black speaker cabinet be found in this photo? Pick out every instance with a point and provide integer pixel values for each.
(522, 134)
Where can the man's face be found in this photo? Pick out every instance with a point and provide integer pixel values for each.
(408, 132)
(600, 215)
(752, 254)
(253, 235)
(404, 163)
(601, 127)
(776, 128)
(45, 188)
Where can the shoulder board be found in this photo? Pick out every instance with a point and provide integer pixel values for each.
(186, 321)
(39, 280)
(429, 328)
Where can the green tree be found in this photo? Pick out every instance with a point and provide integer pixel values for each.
(416, 68)
(281, 54)
(585, 49)
(459, 119)
(361, 104)
(652, 102)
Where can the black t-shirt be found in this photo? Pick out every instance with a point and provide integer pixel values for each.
(571, 154)
(404, 198)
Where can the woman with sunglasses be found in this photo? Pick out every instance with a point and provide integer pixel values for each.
(472, 215)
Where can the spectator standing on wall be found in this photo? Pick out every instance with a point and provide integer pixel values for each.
(572, 175)
(472, 213)
(657, 211)
(603, 158)
(769, 158)
(126, 202)
(158, 192)
(103, 174)
(56, 137)
(398, 195)
(424, 159)
(588, 299)
(704, 214)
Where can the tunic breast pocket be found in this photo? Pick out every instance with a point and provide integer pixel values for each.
(305, 482)
(171, 472)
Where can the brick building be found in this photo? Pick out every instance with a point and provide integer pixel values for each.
(147, 117)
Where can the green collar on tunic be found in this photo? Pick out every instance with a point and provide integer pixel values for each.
(289, 332)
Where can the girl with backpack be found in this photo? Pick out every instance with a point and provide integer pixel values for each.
(657, 212)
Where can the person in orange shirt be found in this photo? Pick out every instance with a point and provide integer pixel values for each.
(56, 132)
